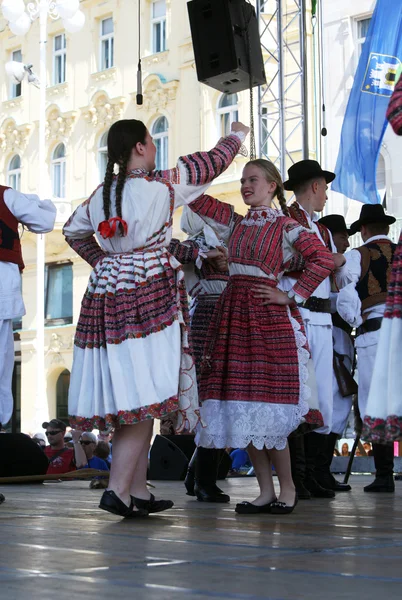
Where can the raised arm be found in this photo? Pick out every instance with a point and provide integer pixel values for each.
(36, 215)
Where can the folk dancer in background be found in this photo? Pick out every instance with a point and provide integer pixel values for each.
(369, 272)
(38, 217)
(383, 419)
(309, 183)
(343, 384)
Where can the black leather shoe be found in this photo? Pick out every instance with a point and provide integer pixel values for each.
(189, 483)
(112, 503)
(317, 491)
(302, 491)
(281, 508)
(381, 485)
(2, 498)
(330, 483)
(152, 505)
(247, 508)
(341, 487)
(210, 493)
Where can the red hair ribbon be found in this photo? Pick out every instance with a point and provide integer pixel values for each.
(107, 229)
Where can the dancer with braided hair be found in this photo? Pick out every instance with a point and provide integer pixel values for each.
(132, 359)
(255, 378)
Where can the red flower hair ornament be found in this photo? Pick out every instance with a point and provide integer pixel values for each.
(107, 229)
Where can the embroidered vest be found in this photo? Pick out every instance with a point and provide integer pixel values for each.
(10, 245)
(376, 261)
(299, 215)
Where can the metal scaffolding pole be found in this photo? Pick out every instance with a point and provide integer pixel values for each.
(283, 101)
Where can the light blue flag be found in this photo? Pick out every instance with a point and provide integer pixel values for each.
(364, 123)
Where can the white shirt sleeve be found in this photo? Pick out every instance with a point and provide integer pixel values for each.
(36, 215)
(348, 303)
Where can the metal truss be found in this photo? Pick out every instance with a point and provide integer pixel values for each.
(283, 102)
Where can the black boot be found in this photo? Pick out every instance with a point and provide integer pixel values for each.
(384, 466)
(322, 472)
(206, 467)
(190, 476)
(298, 465)
(315, 446)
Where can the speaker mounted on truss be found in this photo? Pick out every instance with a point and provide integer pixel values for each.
(226, 42)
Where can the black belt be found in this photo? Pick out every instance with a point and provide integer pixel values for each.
(315, 304)
(337, 321)
(369, 325)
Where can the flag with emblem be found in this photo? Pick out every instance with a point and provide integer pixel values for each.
(365, 122)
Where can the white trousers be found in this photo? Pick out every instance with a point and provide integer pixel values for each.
(6, 369)
(342, 404)
(320, 342)
(365, 366)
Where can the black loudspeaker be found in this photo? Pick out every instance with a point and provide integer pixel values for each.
(19, 455)
(185, 442)
(166, 460)
(224, 53)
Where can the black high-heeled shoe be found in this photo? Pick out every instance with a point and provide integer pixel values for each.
(281, 508)
(112, 503)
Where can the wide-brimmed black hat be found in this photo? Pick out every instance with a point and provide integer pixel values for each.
(371, 213)
(305, 170)
(335, 223)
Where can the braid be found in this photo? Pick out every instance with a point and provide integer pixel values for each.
(282, 200)
(121, 180)
(107, 184)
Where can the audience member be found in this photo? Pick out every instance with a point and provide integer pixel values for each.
(89, 442)
(102, 451)
(345, 450)
(40, 439)
(61, 458)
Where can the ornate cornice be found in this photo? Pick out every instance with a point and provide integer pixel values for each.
(103, 111)
(59, 125)
(13, 137)
(158, 94)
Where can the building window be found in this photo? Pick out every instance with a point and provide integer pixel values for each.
(228, 111)
(59, 171)
(15, 89)
(59, 59)
(158, 23)
(362, 30)
(102, 156)
(59, 294)
(14, 173)
(62, 385)
(107, 44)
(161, 139)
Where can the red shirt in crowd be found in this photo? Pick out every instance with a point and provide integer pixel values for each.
(64, 461)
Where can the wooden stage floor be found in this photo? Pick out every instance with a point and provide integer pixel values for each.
(56, 543)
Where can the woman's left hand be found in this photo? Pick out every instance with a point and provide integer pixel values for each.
(270, 295)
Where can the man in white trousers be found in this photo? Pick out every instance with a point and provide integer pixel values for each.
(369, 270)
(39, 217)
(309, 182)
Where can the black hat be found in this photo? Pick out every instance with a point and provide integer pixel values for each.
(335, 223)
(55, 423)
(371, 213)
(305, 170)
